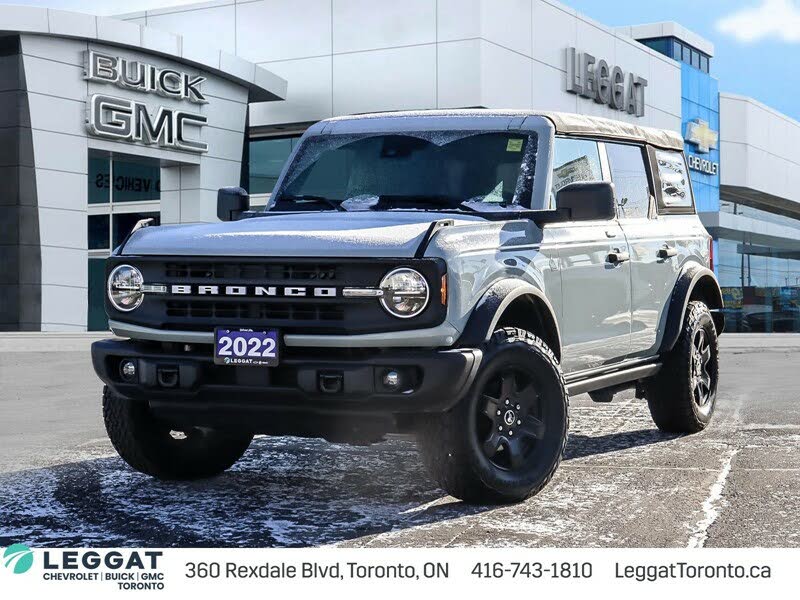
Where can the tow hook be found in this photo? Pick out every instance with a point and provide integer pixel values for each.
(330, 382)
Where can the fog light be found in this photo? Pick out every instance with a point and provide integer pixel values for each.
(391, 379)
(127, 369)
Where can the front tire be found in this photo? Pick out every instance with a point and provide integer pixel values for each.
(155, 448)
(504, 440)
(683, 395)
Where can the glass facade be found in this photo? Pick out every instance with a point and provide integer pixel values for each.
(121, 192)
(760, 285)
(737, 208)
(680, 51)
(266, 159)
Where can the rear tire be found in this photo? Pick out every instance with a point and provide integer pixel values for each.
(155, 448)
(683, 395)
(504, 440)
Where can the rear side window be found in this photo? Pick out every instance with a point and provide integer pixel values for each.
(629, 175)
(574, 160)
(675, 194)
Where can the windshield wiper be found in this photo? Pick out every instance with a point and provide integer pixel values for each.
(421, 202)
(332, 203)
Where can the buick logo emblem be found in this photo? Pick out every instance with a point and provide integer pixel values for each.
(509, 417)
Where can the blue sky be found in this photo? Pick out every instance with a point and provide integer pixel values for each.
(757, 41)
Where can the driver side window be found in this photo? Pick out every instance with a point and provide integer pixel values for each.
(574, 160)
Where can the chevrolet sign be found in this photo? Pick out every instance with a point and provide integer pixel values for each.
(704, 139)
(701, 135)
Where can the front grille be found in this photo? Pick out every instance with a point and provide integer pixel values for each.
(292, 314)
(226, 271)
(237, 310)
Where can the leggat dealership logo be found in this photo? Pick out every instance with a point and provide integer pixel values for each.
(604, 83)
(125, 570)
(18, 558)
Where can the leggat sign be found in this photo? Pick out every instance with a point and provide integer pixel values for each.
(127, 120)
(604, 83)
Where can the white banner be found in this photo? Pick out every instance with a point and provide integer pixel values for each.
(363, 573)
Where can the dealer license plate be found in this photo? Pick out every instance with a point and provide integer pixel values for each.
(246, 347)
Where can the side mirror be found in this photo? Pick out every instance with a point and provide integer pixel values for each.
(231, 203)
(588, 200)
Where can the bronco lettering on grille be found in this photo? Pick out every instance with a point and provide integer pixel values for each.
(254, 290)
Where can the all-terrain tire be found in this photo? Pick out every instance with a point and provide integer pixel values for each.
(674, 394)
(154, 448)
(451, 446)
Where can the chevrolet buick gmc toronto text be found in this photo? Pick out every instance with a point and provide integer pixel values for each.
(454, 275)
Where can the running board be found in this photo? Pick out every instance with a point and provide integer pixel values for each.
(613, 379)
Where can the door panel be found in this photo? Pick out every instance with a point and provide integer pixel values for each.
(653, 274)
(652, 249)
(596, 294)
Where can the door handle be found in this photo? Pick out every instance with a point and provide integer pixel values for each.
(617, 256)
(610, 233)
(667, 252)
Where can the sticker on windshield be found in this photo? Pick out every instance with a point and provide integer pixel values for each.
(514, 145)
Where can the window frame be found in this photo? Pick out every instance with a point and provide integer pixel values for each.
(661, 208)
(648, 170)
(530, 158)
(112, 207)
(601, 157)
(677, 50)
(287, 134)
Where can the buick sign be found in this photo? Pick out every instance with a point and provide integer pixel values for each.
(128, 120)
(605, 83)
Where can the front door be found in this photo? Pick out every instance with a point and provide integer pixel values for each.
(595, 270)
(596, 286)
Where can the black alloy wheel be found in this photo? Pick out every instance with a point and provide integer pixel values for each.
(702, 377)
(511, 423)
(504, 440)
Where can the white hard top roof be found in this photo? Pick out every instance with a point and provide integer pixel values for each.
(564, 123)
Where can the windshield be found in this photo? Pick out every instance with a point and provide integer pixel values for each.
(444, 170)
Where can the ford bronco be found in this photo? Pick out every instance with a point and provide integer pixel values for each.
(453, 275)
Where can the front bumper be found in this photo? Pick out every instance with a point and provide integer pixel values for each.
(320, 382)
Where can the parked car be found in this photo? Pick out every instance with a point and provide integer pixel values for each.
(455, 275)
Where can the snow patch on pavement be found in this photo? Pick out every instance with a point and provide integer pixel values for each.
(713, 503)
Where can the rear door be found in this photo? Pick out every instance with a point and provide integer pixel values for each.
(596, 295)
(654, 261)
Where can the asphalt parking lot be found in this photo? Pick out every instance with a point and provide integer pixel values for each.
(622, 484)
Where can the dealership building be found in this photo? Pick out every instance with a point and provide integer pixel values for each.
(106, 121)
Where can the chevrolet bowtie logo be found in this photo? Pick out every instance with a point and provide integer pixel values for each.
(701, 135)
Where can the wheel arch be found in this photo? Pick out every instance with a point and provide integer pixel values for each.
(512, 303)
(695, 282)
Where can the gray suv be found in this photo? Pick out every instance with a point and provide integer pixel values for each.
(455, 275)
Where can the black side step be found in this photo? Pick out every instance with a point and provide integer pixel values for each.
(613, 379)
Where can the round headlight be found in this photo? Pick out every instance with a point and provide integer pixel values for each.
(405, 293)
(125, 288)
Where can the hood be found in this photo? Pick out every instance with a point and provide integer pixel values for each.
(355, 234)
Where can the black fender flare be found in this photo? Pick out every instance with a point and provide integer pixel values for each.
(690, 277)
(487, 313)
